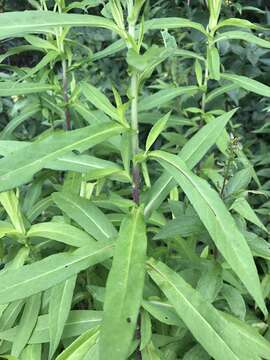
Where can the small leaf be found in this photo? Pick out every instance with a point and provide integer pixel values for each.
(86, 214)
(64, 233)
(156, 130)
(213, 60)
(59, 307)
(80, 347)
(248, 84)
(27, 324)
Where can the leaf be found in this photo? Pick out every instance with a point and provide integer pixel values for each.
(145, 329)
(59, 308)
(254, 341)
(31, 352)
(81, 163)
(17, 24)
(234, 300)
(38, 42)
(19, 167)
(248, 84)
(77, 323)
(86, 214)
(213, 60)
(218, 221)
(64, 233)
(239, 23)
(205, 323)
(173, 23)
(43, 274)
(30, 111)
(191, 153)
(241, 35)
(80, 347)
(150, 353)
(122, 302)
(156, 130)
(185, 225)
(100, 101)
(27, 324)
(242, 207)
(10, 202)
(9, 88)
(164, 96)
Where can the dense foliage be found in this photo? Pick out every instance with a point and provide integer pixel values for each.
(134, 180)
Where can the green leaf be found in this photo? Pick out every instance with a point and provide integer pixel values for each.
(27, 324)
(38, 42)
(86, 214)
(122, 302)
(243, 208)
(248, 84)
(100, 101)
(241, 35)
(191, 153)
(218, 221)
(173, 23)
(64, 233)
(254, 341)
(239, 23)
(59, 308)
(213, 60)
(26, 114)
(164, 96)
(80, 347)
(145, 329)
(10, 202)
(81, 163)
(19, 167)
(10, 88)
(31, 352)
(205, 323)
(43, 274)
(156, 130)
(17, 24)
(77, 323)
(151, 353)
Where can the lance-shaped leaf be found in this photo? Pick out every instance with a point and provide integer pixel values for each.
(248, 84)
(32, 352)
(219, 338)
(9, 88)
(86, 214)
(64, 233)
(191, 153)
(20, 23)
(124, 289)
(173, 23)
(100, 101)
(156, 130)
(77, 323)
(81, 346)
(164, 96)
(43, 274)
(27, 324)
(59, 307)
(18, 167)
(241, 35)
(218, 221)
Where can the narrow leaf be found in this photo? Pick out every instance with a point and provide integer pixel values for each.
(122, 302)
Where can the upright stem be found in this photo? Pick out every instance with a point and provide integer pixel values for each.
(65, 94)
(134, 126)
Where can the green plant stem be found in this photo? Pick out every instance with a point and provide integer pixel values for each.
(134, 126)
(65, 94)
